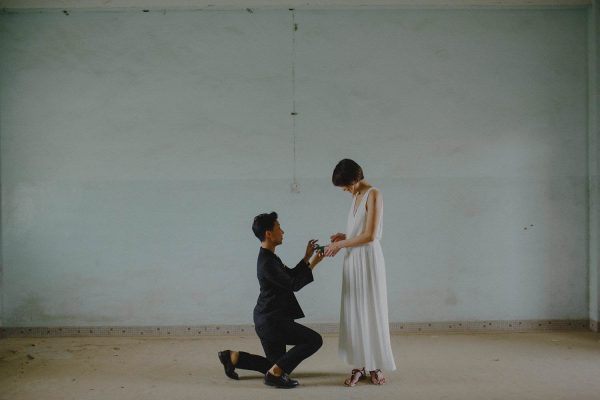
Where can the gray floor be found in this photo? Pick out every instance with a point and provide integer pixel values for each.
(551, 365)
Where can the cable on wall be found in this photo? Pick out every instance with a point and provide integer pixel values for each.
(295, 186)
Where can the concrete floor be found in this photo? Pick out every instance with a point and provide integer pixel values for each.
(554, 365)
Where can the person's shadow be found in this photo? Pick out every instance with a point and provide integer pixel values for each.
(313, 378)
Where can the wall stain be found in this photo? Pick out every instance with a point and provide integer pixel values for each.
(451, 298)
(31, 311)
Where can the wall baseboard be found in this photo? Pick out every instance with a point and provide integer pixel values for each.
(491, 326)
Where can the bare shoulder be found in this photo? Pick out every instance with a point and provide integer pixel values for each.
(376, 194)
(374, 197)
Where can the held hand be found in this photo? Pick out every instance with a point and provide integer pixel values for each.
(310, 249)
(332, 249)
(337, 237)
(317, 258)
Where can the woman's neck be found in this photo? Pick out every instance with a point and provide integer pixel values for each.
(362, 187)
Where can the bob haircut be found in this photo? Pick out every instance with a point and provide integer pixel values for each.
(347, 172)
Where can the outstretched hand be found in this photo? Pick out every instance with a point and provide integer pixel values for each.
(317, 258)
(332, 249)
(337, 237)
(310, 249)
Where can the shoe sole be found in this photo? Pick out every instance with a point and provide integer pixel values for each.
(279, 386)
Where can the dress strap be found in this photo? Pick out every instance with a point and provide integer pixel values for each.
(367, 194)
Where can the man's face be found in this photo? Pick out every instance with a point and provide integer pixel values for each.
(276, 234)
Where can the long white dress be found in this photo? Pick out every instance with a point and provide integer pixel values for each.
(364, 328)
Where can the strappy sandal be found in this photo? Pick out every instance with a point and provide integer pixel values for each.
(377, 377)
(355, 376)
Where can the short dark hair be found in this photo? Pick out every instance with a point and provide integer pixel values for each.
(263, 223)
(347, 172)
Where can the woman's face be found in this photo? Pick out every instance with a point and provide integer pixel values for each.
(351, 188)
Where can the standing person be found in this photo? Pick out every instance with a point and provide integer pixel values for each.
(276, 309)
(364, 329)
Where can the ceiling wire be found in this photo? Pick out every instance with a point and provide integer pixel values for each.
(295, 187)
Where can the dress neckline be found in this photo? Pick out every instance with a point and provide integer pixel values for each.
(355, 211)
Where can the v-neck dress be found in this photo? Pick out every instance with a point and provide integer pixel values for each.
(364, 327)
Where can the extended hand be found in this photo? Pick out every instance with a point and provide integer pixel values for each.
(319, 255)
(310, 249)
(333, 249)
(337, 237)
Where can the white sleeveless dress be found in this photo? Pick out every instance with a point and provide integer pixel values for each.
(364, 328)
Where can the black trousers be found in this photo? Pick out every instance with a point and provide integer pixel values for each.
(274, 337)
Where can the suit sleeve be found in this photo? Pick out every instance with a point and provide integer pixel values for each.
(291, 279)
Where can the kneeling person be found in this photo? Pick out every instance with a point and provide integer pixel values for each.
(276, 310)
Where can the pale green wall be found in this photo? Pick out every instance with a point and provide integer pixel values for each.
(137, 147)
(1, 242)
(594, 160)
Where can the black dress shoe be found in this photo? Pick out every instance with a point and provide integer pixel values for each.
(225, 358)
(284, 381)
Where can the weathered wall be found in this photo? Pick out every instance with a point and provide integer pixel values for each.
(137, 147)
(594, 161)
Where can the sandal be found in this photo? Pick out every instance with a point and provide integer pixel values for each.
(355, 376)
(377, 377)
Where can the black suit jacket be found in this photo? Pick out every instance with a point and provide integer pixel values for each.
(278, 283)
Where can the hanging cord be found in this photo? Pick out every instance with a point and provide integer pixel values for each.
(295, 186)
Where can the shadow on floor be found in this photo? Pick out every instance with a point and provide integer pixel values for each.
(316, 378)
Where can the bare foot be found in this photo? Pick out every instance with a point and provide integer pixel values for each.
(355, 376)
(377, 377)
